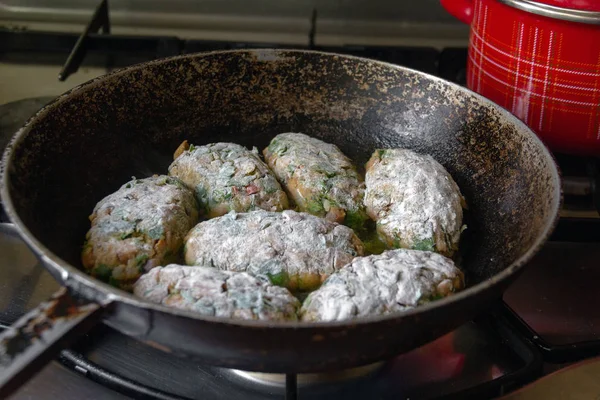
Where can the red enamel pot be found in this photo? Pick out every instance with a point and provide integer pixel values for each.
(541, 61)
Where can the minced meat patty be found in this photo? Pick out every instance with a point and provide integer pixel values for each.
(394, 281)
(209, 291)
(140, 226)
(296, 250)
(228, 177)
(414, 201)
(318, 177)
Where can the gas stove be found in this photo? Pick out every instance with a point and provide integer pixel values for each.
(541, 326)
(546, 321)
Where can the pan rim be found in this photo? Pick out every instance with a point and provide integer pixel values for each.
(73, 277)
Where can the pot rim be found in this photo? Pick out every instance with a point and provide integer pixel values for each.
(546, 10)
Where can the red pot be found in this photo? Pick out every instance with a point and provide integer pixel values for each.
(541, 61)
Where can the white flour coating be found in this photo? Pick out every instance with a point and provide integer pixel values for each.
(394, 281)
(138, 227)
(209, 291)
(318, 177)
(227, 176)
(297, 250)
(414, 200)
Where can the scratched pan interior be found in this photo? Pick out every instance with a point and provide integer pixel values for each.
(85, 144)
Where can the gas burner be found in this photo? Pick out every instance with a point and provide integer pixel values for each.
(279, 380)
(481, 359)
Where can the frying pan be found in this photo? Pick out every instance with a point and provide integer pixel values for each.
(87, 142)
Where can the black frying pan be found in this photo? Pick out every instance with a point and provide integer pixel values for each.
(86, 143)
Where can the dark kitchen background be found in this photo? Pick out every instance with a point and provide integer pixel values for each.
(151, 29)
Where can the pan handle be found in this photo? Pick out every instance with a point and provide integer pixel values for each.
(37, 337)
(461, 9)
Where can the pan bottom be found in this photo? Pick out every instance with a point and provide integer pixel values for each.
(278, 380)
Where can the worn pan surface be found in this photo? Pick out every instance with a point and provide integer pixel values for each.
(89, 141)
